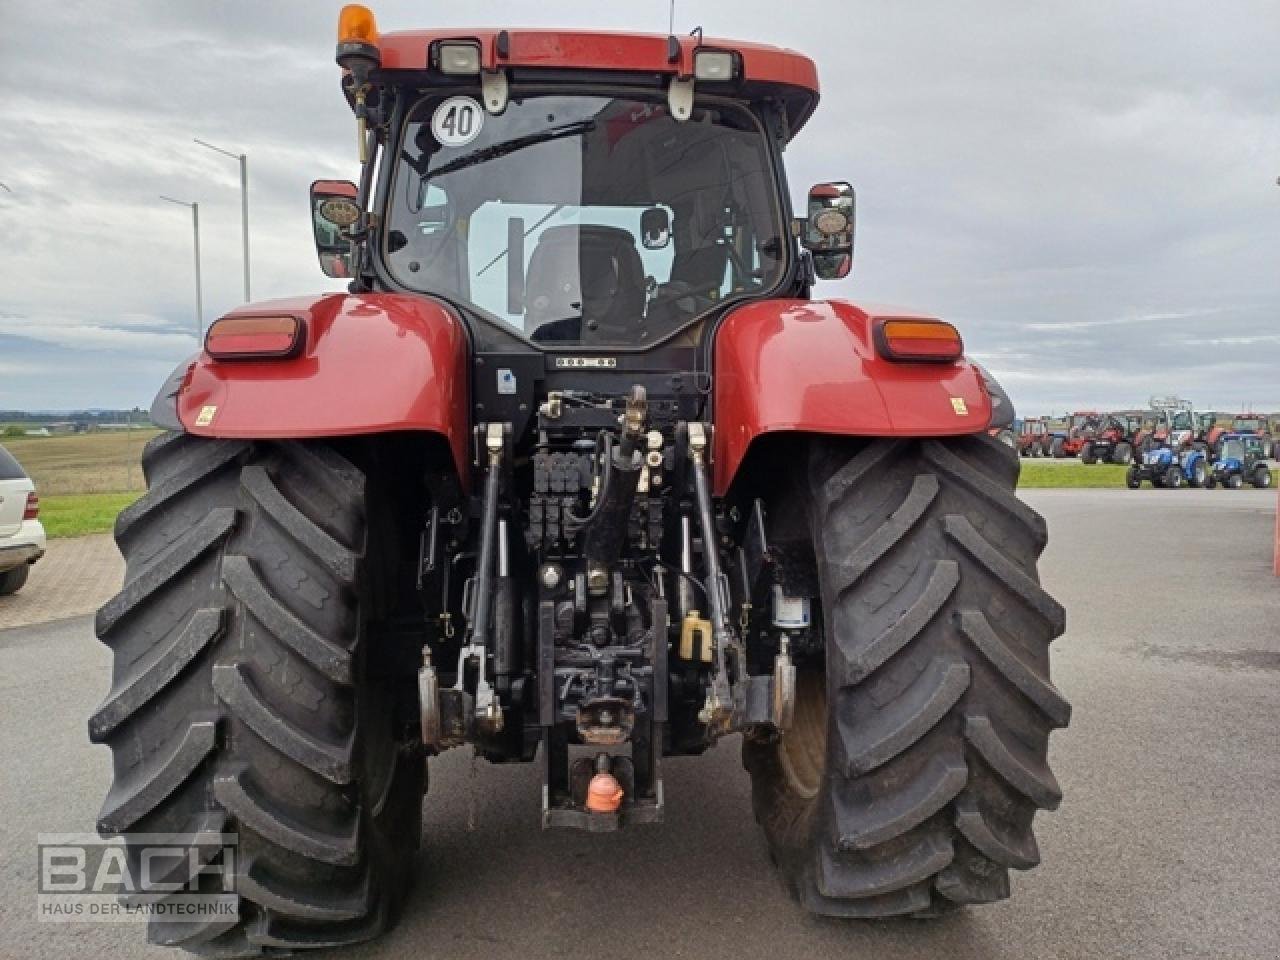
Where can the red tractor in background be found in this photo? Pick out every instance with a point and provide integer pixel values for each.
(1113, 439)
(1211, 426)
(1032, 437)
(1168, 421)
(1078, 428)
(578, 471)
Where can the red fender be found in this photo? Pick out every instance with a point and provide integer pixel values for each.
(371, 363)
(811, 366)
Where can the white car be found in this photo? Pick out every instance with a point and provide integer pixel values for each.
(21, 534)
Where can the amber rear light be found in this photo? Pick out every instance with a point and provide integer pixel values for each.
(254, 338)
(920, 340)
(32, 511)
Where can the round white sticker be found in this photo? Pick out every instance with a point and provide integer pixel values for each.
(457, 121)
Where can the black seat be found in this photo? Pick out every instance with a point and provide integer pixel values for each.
(585, 284)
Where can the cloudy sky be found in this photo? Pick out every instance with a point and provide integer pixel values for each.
(1088, 189)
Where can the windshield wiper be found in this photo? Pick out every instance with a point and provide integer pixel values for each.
(496, 150)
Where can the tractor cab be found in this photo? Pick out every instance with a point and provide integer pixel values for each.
(1242, 459)
(1233, 449)
(1182, 429)
(617, 200)
(1258, 425)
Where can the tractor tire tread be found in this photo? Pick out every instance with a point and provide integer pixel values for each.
(938, 689)
(239, 702)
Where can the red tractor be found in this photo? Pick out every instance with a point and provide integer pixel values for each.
(1079, 427)
(1114, 438)
(1032, 436)
(579, 471)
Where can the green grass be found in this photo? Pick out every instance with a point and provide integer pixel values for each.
(77, 515)
(1071, 475)
(1098, 476)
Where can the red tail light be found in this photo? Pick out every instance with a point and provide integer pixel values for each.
(32, 510)
(927, 340)
(254, 338)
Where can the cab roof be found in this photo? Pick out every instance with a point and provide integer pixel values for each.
(765, 70)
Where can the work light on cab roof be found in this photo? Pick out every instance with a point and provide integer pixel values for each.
(579, 468)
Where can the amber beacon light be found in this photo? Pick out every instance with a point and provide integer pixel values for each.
(356, 24)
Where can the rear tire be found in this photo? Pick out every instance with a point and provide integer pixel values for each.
(908, 781)
(1261, 477)
(1173, 477)
(1235, 481)
(1133, 478)
(247, 697)
(1086, 454)
(1058, 448)
(1199, 474)
(11, 581)
(1122, 454)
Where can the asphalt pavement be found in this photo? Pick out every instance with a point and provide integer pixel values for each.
(1166, 845)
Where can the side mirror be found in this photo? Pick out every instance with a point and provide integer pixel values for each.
(828, 231)
(333, 212)
(655, 228)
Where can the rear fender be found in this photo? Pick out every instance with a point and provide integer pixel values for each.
(372, 363)
(811, 367)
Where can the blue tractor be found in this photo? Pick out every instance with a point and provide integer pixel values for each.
(1168, 467)
(1242, 457)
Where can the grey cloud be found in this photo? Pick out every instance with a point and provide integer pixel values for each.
(1087, 189)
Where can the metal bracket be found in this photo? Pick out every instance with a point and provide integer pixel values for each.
(697, 441)
(429, 702)
(680, 98)
(493, 87)
(784, 686)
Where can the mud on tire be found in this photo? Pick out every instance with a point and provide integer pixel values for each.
(936, 703)
(245, 695)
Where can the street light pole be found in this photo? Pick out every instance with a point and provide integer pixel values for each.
(244, 204)
(195, 229)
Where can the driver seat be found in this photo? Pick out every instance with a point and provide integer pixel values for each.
(586, 284)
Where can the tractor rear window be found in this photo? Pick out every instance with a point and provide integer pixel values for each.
(10, 469)
(584, 220)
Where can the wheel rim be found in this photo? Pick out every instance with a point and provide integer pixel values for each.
(802, 750)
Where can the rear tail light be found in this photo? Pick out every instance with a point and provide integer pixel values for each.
(927, 340)
(32, 510)
(254, 338)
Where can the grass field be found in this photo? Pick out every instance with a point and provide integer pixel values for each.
(84, 480)
(83, 462)
(79, 514)
(1041, 475)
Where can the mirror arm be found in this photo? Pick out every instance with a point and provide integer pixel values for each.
(359, 235)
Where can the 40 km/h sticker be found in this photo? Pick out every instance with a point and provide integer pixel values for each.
(457, 121)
